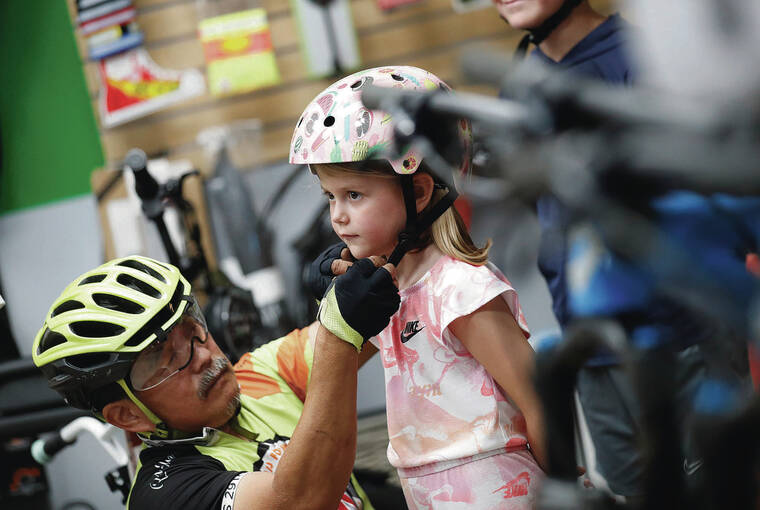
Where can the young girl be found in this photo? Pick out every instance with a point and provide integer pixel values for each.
(461, 407)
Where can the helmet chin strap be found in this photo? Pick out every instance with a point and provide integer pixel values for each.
(416, 225)
(538, 34)
(162, 430)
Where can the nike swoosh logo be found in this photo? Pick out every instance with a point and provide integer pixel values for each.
(406, 338)
(691, 467)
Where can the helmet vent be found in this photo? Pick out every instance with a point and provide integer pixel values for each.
(95, 329)
(329, 121)
(66, 307)
(397, 77)
(138, 285)
(117, 303)
(93, 279)
(364, 80)
(142, 267)
(49, 340)
(89, 360)
(158, 320)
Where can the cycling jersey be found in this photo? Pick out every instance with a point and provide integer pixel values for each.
(204, 472)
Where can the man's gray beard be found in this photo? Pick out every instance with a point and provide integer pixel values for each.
(233, 406)
(218, 365)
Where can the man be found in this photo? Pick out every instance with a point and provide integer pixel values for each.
(128, 342)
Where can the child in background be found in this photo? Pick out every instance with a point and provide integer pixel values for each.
(464, 421)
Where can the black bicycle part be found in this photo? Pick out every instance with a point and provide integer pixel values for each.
(53, 443)
(118, 480)
(737, 424)
(232, 317)
(250, 241)
(149, 191)
(8, 347)
(27, 405)
(324, 7)
(234, 321)
(556, 373)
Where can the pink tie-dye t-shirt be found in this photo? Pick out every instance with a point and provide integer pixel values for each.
(442, 404)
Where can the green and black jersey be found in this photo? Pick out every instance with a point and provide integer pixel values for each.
(205, 473)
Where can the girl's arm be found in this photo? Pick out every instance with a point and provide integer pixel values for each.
(493, 337)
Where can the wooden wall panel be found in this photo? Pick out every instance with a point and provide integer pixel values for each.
(427, 34)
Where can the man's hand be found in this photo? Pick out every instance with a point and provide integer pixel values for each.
(332, 262)
(359, 304)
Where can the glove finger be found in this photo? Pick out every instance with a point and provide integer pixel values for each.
(327, 257)
(325, 266)
(365, 267)
(336, 249)
(382, 278)
(391, 269)
(317, 283)
(340, 266)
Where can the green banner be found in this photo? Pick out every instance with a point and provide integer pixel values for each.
(50, 141)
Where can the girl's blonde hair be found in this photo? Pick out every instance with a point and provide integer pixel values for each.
(448, 232)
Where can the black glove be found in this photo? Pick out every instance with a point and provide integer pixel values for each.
(359, 304)
(320, 275)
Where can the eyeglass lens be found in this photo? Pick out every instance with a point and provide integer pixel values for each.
(165, 358)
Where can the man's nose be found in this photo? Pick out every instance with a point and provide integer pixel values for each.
(201, 352)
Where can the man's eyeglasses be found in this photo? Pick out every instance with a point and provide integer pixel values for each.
(172, 353)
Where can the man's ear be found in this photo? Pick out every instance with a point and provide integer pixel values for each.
(127, 416)
(423, 189)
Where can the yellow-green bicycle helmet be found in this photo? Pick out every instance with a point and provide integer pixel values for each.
(99, 324)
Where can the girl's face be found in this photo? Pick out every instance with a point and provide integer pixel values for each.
(367, 212)
(525, 14)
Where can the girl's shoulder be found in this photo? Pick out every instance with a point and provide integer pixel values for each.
(452, 281)
(462, 288)
(449, 270)
(457, 289)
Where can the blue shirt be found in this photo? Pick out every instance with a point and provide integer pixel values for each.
(601, 54)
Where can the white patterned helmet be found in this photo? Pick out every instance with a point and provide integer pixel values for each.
(336, 127)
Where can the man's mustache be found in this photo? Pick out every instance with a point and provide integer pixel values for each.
(212, 373)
